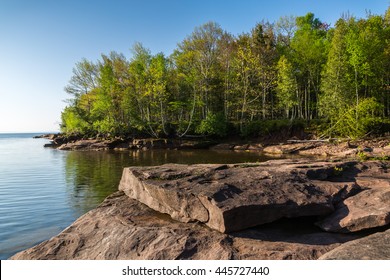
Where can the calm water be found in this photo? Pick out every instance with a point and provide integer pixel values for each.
(42, 191)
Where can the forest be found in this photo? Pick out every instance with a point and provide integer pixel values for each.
(301, 71)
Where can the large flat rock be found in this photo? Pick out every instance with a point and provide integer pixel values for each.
(122, 228)
(234, 197)
(372, 247)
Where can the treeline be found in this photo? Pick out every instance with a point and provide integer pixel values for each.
(215, 83)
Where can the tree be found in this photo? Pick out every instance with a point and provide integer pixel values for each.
(201, 50)
(246, 79)
(287, 88)
(84, 78)
(157, 94)
(336, 87)
(264, 45)
(309, 49)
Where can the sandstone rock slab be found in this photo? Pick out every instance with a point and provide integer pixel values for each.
(368, 209)
(234, 197)
(122, 228)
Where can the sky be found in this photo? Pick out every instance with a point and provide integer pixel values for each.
(41, 41)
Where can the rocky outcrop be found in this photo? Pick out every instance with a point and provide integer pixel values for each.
(122, 228)
(234, 197)
(127, 144)
(95, 145)
(368, 209)
(372, 247)
(242, 211)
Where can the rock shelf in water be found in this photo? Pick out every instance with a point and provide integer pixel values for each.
(242, 211)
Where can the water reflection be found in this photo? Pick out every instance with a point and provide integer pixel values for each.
(92, 176)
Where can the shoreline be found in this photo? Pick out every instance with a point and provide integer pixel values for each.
(363, 149)
(304, 209)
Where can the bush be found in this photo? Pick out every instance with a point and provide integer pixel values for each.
(214, 125)
(268, 127)
(360, 120)
(72, 122)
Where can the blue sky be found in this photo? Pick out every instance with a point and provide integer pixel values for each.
(40, 41)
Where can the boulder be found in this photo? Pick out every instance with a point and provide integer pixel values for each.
(368, 209)
(372, 247)
(234, 197)
(241, 147)
(122, 228)
(255, 147)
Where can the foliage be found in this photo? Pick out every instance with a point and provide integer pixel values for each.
(368, 112)
(214, 124)
(276, 77)
(268, 127)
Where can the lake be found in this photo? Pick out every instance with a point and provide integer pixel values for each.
(43, 190)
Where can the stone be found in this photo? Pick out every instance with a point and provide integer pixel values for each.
(230, 198)
(255, 147)
(373, 247)
(366, 210)
(122, 228)
(223, 146)
(86, 145)
(289, 148)
(241, 147)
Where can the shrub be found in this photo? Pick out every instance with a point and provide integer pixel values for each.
(214, 124)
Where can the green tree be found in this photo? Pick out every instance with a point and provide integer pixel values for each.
(287, 88)
(337, 89)
(309, 52)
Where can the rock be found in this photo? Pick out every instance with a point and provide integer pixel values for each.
(241, 147)
(122, 146)
(379, 153)
(255, 147)
(122, 228)
(151, 143)
(234, 197)
(190, 144)
(86, 145)
(49, 145)
(368, 209)
(372, 247)
(222, 146)
(286, 239)
(289, 148)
